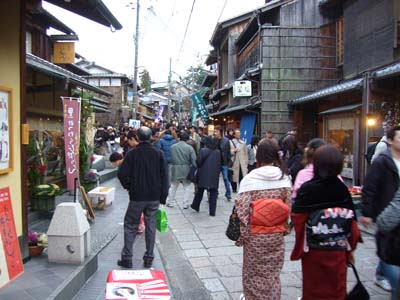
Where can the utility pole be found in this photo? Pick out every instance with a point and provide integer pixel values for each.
(169, 90)
(135, 74)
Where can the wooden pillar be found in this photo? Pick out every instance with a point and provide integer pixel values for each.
(363, 144)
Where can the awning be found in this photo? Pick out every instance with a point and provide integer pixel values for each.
(333, 90)
(94, 10)
(340, 109)
(146, 116)
(235, 108)
(388, 71)
(51, 21)
(53, 70)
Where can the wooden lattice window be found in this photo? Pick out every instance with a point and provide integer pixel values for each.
(339, 41)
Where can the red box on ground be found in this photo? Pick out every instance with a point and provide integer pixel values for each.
(137, 285)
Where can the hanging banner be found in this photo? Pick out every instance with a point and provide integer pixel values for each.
(72, 124)
(194, 116)
(201, 107)
(10, 256)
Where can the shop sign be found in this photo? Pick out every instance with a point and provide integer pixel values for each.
(134, 123)
(201, 106)
(10, 256)
(72, 113)
(130, 97)
(242, 88)
(194, 116)
(64, 53)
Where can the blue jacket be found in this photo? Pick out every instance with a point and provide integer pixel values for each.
(165, 144)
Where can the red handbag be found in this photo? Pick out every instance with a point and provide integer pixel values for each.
(269, 216)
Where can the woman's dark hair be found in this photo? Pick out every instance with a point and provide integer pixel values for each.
(132, 135)
(267, 153)
(255, 139)
(184, 136)
(392, 132)
(328, 161)
(115, 156)
(312, 146)
(211, 143)
(290, 144)
(230, 133)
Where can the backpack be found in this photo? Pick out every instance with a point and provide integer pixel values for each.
(371, 151)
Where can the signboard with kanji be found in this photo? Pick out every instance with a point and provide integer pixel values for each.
(201, 107)
(72, 124)
(64, 53)
(242, 88)
(10, 256)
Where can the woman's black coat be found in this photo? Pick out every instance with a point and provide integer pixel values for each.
(209, 164)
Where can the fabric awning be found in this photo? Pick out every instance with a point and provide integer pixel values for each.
(340, 109)
(388, 71)
(53, 70)
(346, 86)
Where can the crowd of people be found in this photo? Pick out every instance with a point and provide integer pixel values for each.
(274, 181)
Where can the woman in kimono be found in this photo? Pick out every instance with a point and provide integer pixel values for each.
(263, 192)
(326, 228)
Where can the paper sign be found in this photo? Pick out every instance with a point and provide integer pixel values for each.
(10, 255)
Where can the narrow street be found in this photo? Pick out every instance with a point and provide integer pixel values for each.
(200, 261)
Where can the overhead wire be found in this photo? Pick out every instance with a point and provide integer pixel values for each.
(222, 11)
(186, 30)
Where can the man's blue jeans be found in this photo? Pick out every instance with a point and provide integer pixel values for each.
(391, 273)
(224, 171)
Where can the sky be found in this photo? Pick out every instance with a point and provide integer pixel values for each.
(162, 26)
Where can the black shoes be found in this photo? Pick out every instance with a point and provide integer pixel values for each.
(147, 263)
(125, 264)
(192, 207)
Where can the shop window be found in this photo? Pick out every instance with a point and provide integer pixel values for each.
(339, 41)
(339, 132)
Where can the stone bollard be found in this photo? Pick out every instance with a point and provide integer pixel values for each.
(68, 234)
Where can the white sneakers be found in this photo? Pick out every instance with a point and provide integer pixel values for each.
(384, 284)
(170, 205)
(242, 297)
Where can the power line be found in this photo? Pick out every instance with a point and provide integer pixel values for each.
(222, 11)
(186, 30)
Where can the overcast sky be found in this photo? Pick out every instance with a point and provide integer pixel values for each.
(162, 27)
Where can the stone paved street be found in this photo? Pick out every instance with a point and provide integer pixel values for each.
(218, 263)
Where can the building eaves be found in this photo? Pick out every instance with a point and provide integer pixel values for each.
(388, 71)
(209, 79)
(94, 10)
(52, 21)
(340, 109)
(146, 116)
(105, 75)
(236, 108)
(56, 71)
(99, 100)
(343, 87)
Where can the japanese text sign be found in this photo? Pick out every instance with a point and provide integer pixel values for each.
(10, 256)
(201, 107)
(72, 109)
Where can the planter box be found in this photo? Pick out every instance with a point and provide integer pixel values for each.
(42, 203)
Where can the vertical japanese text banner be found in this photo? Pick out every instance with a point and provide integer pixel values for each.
(201, 106)
(72, 112)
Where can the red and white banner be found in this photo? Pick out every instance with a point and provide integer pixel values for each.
(137, 285)
(10, 256)
(72, 116)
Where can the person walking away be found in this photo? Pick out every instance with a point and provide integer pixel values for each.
(144, 173)
(293, 156)
(240, 159)
(380, 186)
(381, 147)
(195, 137)
(252, 152)
(264, 191)
(224, 148)
(200, 132)
(307, 173)
(388, 223)
(324, 202)
(182, 157)
(116, 159)
(165, 144)
(209, 166)
(100, 139)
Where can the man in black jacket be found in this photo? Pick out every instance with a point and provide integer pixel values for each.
(144, 173)
(225, 149)
(379, 188)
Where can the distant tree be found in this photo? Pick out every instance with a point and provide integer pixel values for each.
(195, 76)
(145, 80)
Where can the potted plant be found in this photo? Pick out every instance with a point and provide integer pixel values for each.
(43, 196)
(37, 242)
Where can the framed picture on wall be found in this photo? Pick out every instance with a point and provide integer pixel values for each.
(5, 130)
